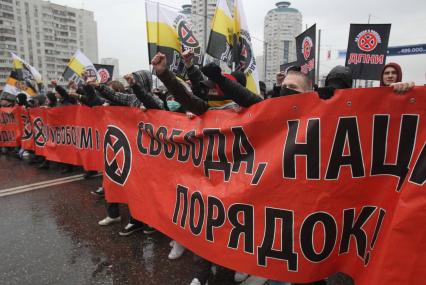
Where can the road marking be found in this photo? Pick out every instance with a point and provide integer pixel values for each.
(39, 185)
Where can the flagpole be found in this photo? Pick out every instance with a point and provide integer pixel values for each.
(158, 26)
(205, 24)
(318, 57)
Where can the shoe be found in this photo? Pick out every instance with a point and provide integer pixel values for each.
(240, 277)
(25, 154)
(89, 174)
(195, 281)
(177, 251)
(98, 192)
(130, 229)
(108, 221)
(213, 269)
(44, 165)
(149, 230)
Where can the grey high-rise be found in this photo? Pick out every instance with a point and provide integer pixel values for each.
(45, 35)
(281, 26)
(202, 13)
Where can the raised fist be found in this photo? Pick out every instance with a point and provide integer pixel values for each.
(159, 63)
(187, 56)
(280, 78)
(130, 79)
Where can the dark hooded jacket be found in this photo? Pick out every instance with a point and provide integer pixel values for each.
(340, 77)
(398, 70)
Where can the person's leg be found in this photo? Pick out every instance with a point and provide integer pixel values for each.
(113, 215)
(68, 168)
(98, 192)
(201, 270)
(90, 174)
(132, 227)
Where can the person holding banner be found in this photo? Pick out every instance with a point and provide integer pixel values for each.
(392, 76)
(63, 95)
(294, 83)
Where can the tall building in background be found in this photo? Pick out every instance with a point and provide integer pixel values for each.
(260, 62)
(281, 27)
(44, 34)
(202, 13)
(112, 61)
(186, 10)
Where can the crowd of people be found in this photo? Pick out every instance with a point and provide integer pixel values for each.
(206, 88)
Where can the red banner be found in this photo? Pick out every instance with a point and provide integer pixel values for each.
(69, 134)
(27, 141)
(293, 188)
(10, 127)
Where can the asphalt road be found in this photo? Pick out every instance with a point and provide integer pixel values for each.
(49, 235)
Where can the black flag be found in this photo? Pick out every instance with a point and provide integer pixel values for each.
(105, 72)
(305, 50)
(367, 48)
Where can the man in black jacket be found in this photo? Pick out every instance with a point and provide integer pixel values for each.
(294, 83)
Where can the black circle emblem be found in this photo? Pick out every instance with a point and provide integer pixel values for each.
(187, 36)
(246, 55)
(28, 130)
(117, 155)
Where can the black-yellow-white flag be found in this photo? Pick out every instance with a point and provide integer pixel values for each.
(221, 38)
(24, 78)
(246, 61)
(230, 41)
(77, 65)
(169, 32)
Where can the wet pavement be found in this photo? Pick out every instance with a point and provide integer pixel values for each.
(51, 236)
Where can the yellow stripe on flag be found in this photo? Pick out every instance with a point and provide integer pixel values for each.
(222, 24)
(17, 64)
(163, 35)
(21, 86)
(76, 66)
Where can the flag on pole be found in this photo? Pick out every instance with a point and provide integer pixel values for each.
(15, 86)
(24, 70)
(230, 42)
(221, 38)
(306, 56)
(170, 32)
(24, 77)
(367, 50)
(78, 64)
(105, 72)
(246, 61)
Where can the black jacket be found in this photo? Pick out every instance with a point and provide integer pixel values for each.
(90, 97)
(147, 99)
(66, 98)
(189, 101)
(196, 76)
(238, 93)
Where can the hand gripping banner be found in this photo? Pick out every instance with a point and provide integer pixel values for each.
(294, 188)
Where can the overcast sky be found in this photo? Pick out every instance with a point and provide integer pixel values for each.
(122, 31)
